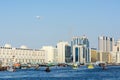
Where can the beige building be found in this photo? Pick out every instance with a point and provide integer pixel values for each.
(116, 52)
(94, 55)
(105, 57)
(100, 56)
(21, 55)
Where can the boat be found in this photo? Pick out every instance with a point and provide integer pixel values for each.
(90, 66)
(11, 69)
(103, 65)
(37, 67)
(17, 65)
(47, 69)
(75, 66)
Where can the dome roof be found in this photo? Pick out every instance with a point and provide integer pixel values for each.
(23, 47)
(7, 45)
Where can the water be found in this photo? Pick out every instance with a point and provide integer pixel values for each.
(63, 73)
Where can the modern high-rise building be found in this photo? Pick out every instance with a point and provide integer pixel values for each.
(81, 54)
(105, 48)
(80, 49)
(64, 52)
(80, 41)
(105, 44)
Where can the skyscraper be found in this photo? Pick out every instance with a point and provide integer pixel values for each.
(80, 49)
(105, 44)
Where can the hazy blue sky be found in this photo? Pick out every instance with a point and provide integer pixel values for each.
(60, 20)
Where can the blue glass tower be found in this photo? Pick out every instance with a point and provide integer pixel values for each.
(80, 52)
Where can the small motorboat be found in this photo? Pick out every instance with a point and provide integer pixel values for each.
(75, 66)
(11, 69)
(90, 66)
(103, 65)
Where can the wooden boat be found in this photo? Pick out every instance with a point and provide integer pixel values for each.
(47, 69)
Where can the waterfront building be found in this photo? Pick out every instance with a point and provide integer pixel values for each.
(116, 52)
(105, 57)
(80, 41)
(78, 54)
(68, 53)
(94, 55)
(64, 52)
(81, 54)
(51, 54)
(21, 55)
(80, 49)
(105, 44)
(100, 56)
(105, 48)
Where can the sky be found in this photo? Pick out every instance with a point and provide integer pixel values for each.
(37, 23)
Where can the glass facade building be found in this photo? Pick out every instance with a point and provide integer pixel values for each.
(80, 49)
(67, 53)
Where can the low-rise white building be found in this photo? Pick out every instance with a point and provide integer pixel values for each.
(21, 55)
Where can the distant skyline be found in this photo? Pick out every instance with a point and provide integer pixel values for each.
(36, 23)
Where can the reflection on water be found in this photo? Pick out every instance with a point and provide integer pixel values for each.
(63, 73)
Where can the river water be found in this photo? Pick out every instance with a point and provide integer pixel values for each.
(63, 73)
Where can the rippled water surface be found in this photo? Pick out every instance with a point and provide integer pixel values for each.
(63, 73)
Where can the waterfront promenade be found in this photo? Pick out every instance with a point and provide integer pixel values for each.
(63, 73)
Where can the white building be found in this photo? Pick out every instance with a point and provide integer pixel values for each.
(21, 55)
(80, 49)
(51, 54)
(116, 52)
(105, 44)
(64, 51)
(80, 54)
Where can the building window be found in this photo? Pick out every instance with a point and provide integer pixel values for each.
(118, 49)
(76, 54)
